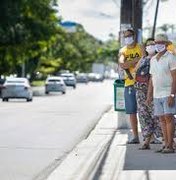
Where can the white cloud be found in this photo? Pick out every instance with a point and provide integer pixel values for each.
(102, 17)
(99, 17)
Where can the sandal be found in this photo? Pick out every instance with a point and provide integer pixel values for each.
(145, 147)
(160, 150)
(168, 150)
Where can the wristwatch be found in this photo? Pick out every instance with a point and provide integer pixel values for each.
(172, 95)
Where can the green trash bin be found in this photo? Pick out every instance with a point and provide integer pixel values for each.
(119, 102)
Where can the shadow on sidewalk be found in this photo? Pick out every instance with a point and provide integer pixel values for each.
(136, 159)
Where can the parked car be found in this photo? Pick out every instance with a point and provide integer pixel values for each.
(55, 84)
(1, 84)
(16, 88)
(82, 78)
(69, 79)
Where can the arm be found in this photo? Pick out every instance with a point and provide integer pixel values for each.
(137, 65)
(173, 88)
(149, 92)
(127, 64)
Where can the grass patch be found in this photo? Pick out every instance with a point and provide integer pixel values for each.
(38, 83)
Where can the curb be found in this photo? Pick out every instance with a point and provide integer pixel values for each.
(89, 158)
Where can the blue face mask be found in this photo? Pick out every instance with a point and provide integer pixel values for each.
(129, 40)
(160, 47)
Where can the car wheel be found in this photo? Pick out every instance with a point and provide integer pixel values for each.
(28, 100)
(63, 92)
(74, 87)
(46, 92)
(4, 99)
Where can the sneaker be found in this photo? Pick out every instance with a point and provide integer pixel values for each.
(155, 141)
(134, 141)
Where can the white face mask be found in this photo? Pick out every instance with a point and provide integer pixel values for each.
(129, 40)
(160, 47)
(150, 49)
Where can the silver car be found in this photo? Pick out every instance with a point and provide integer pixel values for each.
(69, 79)
(55, 84)
(16, 88)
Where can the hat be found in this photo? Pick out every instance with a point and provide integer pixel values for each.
(161, 37)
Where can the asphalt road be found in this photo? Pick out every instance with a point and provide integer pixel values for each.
(36, 136)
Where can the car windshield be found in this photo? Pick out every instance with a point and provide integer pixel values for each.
(17, 82)
(54, 80)
(67, 75)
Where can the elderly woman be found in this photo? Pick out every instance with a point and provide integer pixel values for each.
(149, 123)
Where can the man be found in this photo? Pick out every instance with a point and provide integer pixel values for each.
(128, 57)
(162, 86)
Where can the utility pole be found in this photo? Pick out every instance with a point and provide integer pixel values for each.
(137, 18)
(131, 17)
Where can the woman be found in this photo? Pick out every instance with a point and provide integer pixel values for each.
(149, 124)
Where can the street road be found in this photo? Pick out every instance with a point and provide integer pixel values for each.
(36, 136)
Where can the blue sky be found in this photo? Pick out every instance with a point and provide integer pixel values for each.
(102, 17)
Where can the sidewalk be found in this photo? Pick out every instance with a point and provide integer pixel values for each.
(104, 155)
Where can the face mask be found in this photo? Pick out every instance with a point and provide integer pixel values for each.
(160, 47)
(150, 49)
(129, 40)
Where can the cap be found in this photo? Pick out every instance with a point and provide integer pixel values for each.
(161, 37)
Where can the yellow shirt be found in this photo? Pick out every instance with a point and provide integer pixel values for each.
(130, 54)
(171, 48)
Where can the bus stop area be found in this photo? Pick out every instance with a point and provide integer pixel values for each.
(105, 155)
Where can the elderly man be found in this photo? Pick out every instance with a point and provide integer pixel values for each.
(162, 86)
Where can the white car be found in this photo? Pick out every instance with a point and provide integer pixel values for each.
(16, 88)
(55, 84)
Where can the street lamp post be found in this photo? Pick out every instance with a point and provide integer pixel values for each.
(155, 19)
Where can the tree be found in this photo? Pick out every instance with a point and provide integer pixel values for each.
(24, 24)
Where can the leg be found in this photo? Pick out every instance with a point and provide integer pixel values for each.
(131, 109)
(170, 127)
(164, 129)
(134, 124)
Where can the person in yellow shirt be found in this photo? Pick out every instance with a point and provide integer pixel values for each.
(129, 55)
(171, 48)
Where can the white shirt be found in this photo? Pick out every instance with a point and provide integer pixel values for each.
(161, 75)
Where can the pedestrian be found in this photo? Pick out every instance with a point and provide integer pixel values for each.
(150, 127)
(129, 55)
(162, 86)
(171, 48)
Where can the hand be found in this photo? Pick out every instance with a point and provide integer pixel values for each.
(124, 65)
(171, 101)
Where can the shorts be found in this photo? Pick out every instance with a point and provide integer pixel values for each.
(130, 100)
(161, 107)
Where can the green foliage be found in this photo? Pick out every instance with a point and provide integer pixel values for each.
(23, 25)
